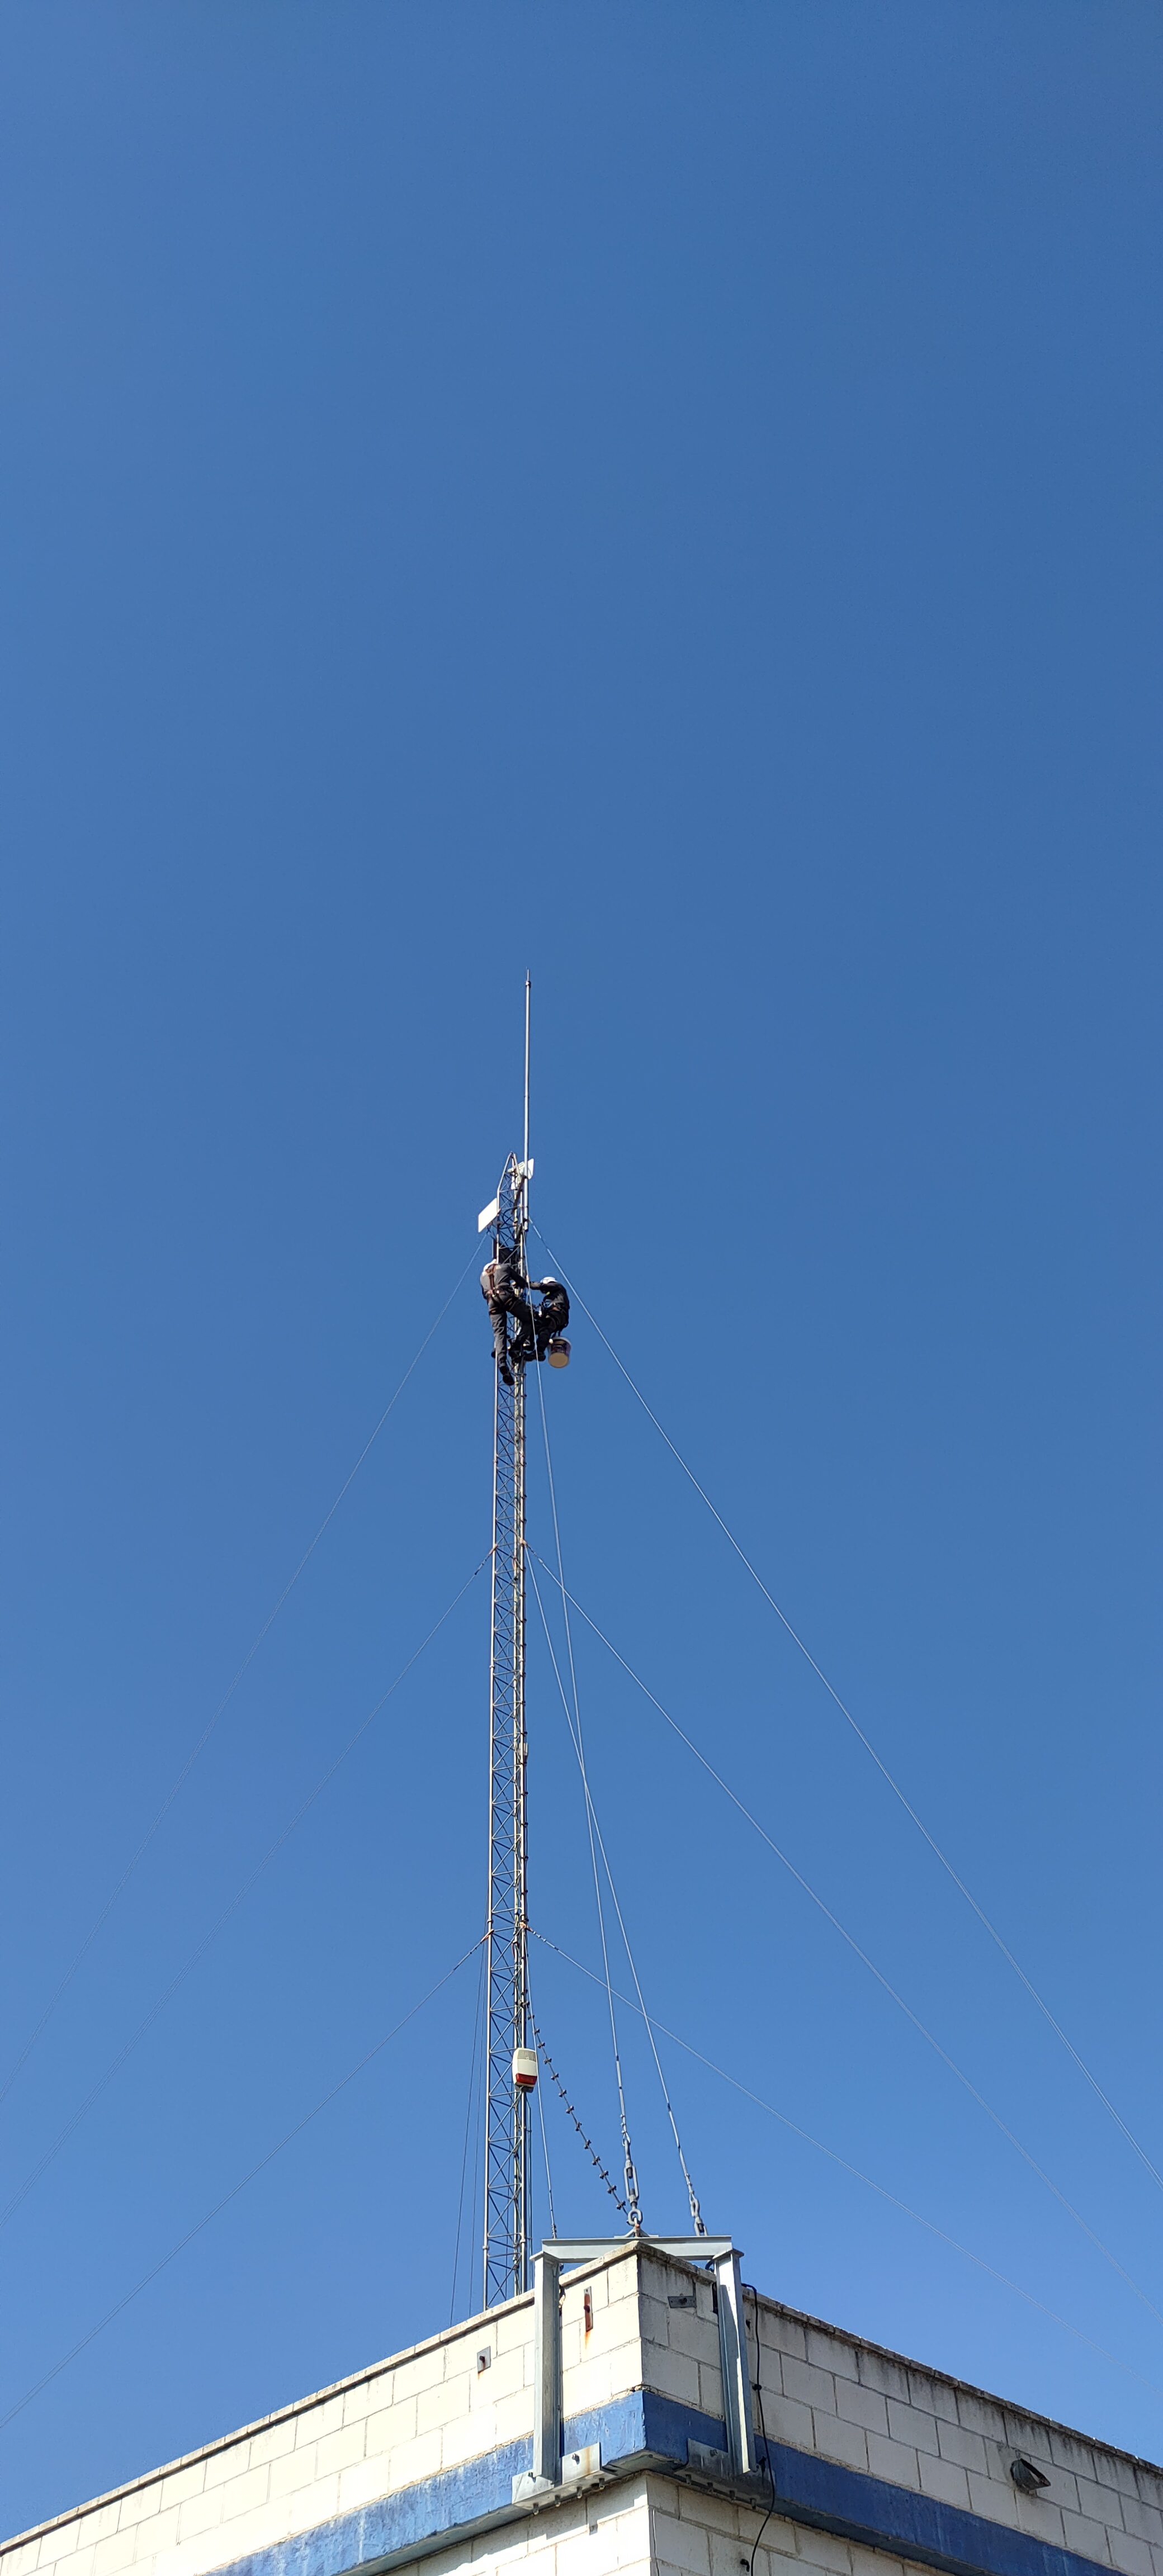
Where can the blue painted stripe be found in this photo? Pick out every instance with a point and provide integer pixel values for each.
(857, 2507)
(477, 2496)
(644, 2429)
(642, 2422)
(468, 2498)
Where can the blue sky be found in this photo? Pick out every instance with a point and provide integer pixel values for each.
(664, 497)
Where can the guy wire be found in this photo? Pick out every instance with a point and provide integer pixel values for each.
(228, 2196)
(854, 1945)
(472, 2077)
(23, 2189)
(587, 2143)
(595, 1829)
(631, 2176)
(541, 2109)
(869, 1747)
(224, 1702)
(880, 2188)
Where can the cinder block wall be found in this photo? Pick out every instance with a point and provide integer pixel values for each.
(426, 2410)
(389, 2427)
(434, 2408)
(849, 2401)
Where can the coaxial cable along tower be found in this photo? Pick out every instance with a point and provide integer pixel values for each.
(508, 2176)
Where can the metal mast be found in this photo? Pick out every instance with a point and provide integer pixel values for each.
(508, 2165)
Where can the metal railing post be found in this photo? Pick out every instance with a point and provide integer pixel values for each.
(736, 2373)
(547, 2369)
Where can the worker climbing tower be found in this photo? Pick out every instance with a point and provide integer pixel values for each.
(510, 2064)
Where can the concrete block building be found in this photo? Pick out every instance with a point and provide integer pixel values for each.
(635, 2412)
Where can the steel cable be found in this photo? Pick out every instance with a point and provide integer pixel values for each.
(591, 1823)
(21, 2194)
(696, 2213)
(472, 2078)
(863, 1956)
(869, 1747)
(540, 2103)
(227, 2197)
(843, 2162)
(594, 1828)
(587, 2143)
(224, 1702)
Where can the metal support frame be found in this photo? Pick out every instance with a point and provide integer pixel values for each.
(737, 2409)
(547, 2367)
(508, 2164)
(740, 2461)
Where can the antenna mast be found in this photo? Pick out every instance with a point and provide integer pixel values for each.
(508, 2165)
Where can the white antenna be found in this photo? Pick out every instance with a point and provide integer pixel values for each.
(528, 991)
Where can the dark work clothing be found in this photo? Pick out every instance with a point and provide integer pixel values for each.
(502, 1296)
(522, 1346)
(500, 1288)
(499, 1278)
(552, 1317)
(555, 1307)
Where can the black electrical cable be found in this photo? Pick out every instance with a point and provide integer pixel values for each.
(763, 2432)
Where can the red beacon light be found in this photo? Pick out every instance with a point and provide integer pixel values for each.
(524, 2069)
